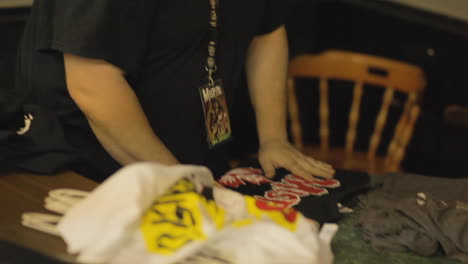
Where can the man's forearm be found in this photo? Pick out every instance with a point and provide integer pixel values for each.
(267, 61)
(113, 111)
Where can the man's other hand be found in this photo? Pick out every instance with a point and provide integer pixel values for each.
(275, 154)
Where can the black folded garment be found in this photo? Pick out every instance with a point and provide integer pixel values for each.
(14, 254)
(33, 140)
(316, 200)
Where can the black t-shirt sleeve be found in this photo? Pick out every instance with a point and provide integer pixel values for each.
(274, 16)
(116, 31)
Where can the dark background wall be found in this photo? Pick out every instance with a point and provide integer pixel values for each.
(11, 27)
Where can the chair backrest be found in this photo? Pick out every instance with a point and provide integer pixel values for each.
(360, 69)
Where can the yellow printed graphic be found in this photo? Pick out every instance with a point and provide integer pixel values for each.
(243, 222)
(176, 218)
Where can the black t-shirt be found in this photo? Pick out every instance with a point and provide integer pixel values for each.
(317, 199)
(162, 47)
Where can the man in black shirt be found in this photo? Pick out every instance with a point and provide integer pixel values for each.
(124, 78)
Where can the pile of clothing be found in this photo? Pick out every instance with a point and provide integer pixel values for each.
(421, 214)
(150, 213)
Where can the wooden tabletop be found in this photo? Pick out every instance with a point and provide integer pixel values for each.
(25, 192)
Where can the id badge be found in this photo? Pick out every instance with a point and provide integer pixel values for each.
(217, 123)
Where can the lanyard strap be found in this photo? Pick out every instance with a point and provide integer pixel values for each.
(211, 66)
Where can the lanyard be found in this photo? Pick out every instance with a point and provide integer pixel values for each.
(211, 66)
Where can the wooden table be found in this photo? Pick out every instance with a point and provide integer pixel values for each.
(25, 192)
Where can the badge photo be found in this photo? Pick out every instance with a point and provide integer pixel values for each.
(215, 110)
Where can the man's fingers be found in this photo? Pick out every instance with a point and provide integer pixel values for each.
(326, 165)
(268, 168)
(314, 168)
(323, 169)
(298, 170)
(320, 164)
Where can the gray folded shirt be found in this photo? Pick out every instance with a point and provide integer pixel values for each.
(408, 212)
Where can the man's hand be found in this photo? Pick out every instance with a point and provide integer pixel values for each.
(267, 62)
(281, 154)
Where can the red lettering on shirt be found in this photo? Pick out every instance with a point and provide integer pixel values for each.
(240, 176)
(305, 187)
(284, 194)
(288, 213)
(283, 199)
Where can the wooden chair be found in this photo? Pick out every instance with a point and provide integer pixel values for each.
(393, 76)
